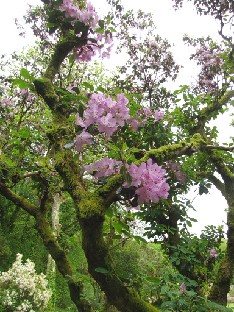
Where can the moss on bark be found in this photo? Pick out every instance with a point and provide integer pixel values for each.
(221, 285)
(96, 251)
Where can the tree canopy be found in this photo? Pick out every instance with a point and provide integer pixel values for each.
(102, 152)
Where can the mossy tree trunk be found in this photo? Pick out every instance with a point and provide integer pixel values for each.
(99, 266)
(221, 285)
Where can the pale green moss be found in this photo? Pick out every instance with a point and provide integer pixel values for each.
(91, 205)
(45, 88)
(197, 140)
(164, 153)
(112, 184)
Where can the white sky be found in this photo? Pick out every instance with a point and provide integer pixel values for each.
(171, 25)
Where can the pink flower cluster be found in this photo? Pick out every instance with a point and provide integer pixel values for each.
(105, 113)
(104, 167)
(211, 66)
(5, 102)
(89, 17)
(143, 116)
(108, 115)
(176, 169)
(213, 253)
(158, 115)
(150, 181)
(7, 109)
(90, 49)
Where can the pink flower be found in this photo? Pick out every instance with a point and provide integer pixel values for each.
(100, 43)
(88, 16)
(147, 112)
(134, 173)
(104, 167)
(183, 289)
(176, 169)
(150, 181)
(79, 121)
(105, 113)
(135, 124)
(84, 138)
(158, 115)
(107, 124)
(213, 253)
(6, 102)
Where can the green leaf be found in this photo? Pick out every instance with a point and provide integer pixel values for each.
(189, 224)
(101, 89)
(117, 226)
(100, 31)
(124, 225)
(25, 73)
(79, 27)
(120, 227)
(118, 91)
(109, 212)
(116, 236)
(88, 86)
(22, 84)
(139, 239)
(76, 89)
(101, 23)
(112, 29)
(177, 262)
(154, 280)
(203, 189)
(101, 270)
(24, 133)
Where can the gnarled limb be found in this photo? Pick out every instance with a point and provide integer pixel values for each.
(96, 251)
(221, 285)
(207, 112)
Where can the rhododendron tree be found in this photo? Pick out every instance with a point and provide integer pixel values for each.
(124, 144)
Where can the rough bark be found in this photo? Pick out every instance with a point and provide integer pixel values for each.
(222, 283)
(55, 226)
(96, 251)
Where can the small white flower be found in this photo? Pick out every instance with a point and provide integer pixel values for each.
(22, 288)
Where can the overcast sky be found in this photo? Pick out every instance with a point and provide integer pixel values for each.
(171, 25)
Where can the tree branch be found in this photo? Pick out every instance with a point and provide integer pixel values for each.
(159, 155)
(218, 184)
(62, 49)
(207, 112)
(220, 148)
(18, 200)
(222, 168)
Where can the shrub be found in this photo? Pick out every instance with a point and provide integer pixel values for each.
(22, 289)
